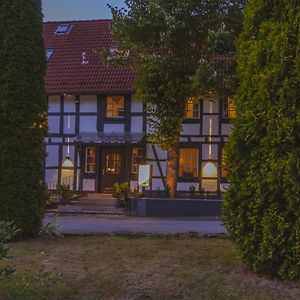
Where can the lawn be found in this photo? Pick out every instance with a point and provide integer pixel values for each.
(134, 267)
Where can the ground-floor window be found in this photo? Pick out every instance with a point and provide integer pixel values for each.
(188, 163)
(136, 159)
(90, 160)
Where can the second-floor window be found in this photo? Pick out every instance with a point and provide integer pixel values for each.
(192, 109)
(229, 109)
(115, 107)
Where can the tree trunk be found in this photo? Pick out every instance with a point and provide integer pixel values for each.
(172, 171)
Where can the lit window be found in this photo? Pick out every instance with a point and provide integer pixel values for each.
(49, 53)
(224, 170)
(136, 160)
(90, 160)
(191, 109)
(229, 109)
(115, 107)
(63, 29)
(188, 162)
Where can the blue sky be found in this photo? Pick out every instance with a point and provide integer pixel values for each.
(60, 10)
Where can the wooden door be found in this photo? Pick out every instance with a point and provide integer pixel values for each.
(112, 168)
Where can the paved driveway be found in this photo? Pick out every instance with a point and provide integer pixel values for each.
(91, 224)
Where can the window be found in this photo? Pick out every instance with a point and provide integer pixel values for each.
(90, 160)
(49, 53)
(115, 107)
(188, 163)
(229, 109)
(115, 53)
(63, 29)
(136, 160)
(224, 170)
(191, 109)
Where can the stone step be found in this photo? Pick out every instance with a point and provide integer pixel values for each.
(89, 209)
(107, 203)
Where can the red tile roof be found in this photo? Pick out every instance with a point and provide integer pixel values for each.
(65, 71)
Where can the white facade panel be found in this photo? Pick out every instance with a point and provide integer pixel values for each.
(157, 184)
(69, 124)
(205, 152)
(113, 127)
(52, 155)
(160, 153)
(137, 124)
(214, 125)
(88, 124)
(136, 105)
(211, 105)
(88, 103)
(54, 104)
(89, 185)
(53, 124)
(185, 186)
(190, 129)
(69, 103)
(226, 129)
(51, 178)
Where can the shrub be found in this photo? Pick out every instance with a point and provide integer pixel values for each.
(262, 205)
(52, 228)
(7, 232)
(65, 191)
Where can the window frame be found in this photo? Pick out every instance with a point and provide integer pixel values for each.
(193, 177)
(190, 101)
(106, 108)
(51, 51)
(60, 26)
(139, 157)
(225, 107)
(86, 160)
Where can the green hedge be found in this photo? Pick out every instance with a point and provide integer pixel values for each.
(262, 206)
(23, 104)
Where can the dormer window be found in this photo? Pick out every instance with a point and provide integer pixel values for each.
(63, 29)
(49, 53)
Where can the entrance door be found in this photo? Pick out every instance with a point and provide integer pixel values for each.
(112, 168)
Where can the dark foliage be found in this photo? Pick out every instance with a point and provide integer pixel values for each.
(23, 105)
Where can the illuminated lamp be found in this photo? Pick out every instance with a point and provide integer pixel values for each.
(209, 170)
(68, 164)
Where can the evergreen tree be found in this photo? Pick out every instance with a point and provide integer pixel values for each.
(23, 104)
(262, 206)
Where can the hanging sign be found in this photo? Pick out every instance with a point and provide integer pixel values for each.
(145, 175)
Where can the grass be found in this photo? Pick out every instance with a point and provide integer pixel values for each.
(134, 267)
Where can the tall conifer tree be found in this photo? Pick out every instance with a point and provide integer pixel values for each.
(23, 105)
(262, 207)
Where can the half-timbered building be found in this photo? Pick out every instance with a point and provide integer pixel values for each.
(97, 126)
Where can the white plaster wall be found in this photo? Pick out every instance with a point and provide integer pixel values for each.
(226, 129)
(215, 105)
(133, 185)
(136, 124)
(184, 186)
(51, 178)
(215, 125)
(53, 124)
(52, 155)
(205, 152)
(157, 183)
(56, 140)
(190, 129)
(70, 130)
(69, 103)
(136, 105)
(156, 169)
(88, 124)
(71, 154)
(160, 153)
(113, 127)
(210, 185)
(88, 103)
(54, 104)
(89, 185)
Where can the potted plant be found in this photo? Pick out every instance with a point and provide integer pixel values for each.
(65, 193)
(120, 192)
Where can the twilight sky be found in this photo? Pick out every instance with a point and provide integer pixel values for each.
(60, 10)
